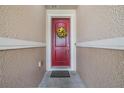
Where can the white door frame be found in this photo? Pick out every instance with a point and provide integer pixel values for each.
(61, 14)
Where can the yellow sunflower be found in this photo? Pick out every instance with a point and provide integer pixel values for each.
(61, 32)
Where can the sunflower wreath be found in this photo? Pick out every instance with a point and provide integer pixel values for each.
(61, 32)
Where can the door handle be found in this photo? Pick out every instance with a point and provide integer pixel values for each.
(75, 44)
(67, 49)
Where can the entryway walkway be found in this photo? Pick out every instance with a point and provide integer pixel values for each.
(73, 82)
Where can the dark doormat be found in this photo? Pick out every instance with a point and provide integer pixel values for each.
(60, 74)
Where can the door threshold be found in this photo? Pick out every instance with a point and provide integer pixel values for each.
(61, 68)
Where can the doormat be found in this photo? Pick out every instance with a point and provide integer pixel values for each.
(60, 74)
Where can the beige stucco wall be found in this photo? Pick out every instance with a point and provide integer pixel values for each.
(100, 67)
(19, 68)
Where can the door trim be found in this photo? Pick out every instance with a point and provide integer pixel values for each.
(61, 14)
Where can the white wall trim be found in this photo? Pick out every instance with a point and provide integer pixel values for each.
(112, 43)
(64, 14)
(10, 43)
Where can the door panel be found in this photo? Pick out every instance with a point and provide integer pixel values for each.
(59, 52)
(60, 41)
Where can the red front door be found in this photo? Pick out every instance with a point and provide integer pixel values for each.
(60, 41)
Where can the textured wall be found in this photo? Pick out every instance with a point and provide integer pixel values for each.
(19, 68)
(100, 67)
